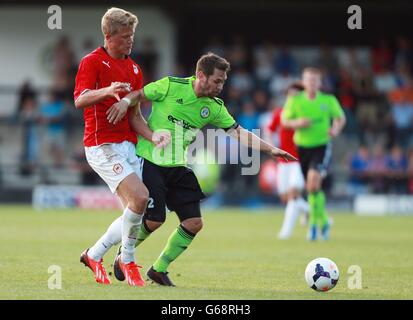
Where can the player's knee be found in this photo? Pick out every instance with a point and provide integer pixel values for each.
(153, 225)
(194, 225)
(139, 201)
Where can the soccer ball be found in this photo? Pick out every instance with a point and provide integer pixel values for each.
(321, 274)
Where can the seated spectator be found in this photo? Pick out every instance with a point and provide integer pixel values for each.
(396, 164)
(402, 116)
(52, 115)
(248, 117)
(385, 81)
(29, 117)
(378, 169)
(285, 62)
(359, 167)
(263, 57)
(278, 86)
(241, 80)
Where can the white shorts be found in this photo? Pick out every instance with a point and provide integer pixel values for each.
(113, 162)
(289, 176)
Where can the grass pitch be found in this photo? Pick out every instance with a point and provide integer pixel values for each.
(236, 256)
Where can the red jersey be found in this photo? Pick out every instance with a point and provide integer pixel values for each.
(98, 70)
(285, 135)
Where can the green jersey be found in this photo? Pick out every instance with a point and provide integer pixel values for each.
(176, 108)
(320, 111)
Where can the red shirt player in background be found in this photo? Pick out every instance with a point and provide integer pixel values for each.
(290, 179)
(104, 77)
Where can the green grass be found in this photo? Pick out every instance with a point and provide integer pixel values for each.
(236, 256)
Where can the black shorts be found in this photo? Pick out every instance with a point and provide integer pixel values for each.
(317, 158)
(174, 187)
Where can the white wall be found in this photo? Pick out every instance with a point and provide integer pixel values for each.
(25, 37)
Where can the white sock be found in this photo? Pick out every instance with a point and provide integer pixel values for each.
(111, 237)
(291, 213)
(302, 205)
(130, 227)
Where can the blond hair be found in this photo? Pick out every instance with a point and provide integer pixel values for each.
(116, 18)
(312, 70)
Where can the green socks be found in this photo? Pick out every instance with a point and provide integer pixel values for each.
(179, 240)
(143, 233)
(318, 214)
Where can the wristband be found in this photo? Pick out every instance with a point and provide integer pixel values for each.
(129, 101)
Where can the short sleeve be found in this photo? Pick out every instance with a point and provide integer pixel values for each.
(223, 119)
(335, 109)
(289, 110)
(275, 121)
(157, 91)
(86, 77)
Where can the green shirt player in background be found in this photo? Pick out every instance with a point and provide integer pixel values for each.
(316, 117)
(182, 106)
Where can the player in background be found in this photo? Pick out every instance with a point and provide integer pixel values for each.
(290, 179)
(104, 77)
(316, 117)
(182, 106)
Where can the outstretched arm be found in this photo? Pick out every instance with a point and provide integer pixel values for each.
(250, 140)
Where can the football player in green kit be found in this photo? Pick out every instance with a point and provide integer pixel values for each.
(316, 117)
(181, 106)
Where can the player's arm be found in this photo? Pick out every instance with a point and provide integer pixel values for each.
(339, 118)
(138, 124)
(337, 126)
(118, 110)
(250, 140)
(91, 97)
(289, 117)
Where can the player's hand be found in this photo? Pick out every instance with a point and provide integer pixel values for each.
(161, 138)
(117, 111)
(333, 132)
(116, 88)
(278, 153)
(303, 123)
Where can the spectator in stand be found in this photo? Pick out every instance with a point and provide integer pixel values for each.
(382, 57)
(385, 81)
(285, 62)
(260, 100)
(241, 80)
(248, 118)
(404, 93)
(377, 169)
(52, 116)
(397, 164)
(404, 52)
(263, 56)
(29, 118)
(147, 57)
(278, 86)
(234, 98)
(402, 119)
(237, 53)
(359, 168)
(64, 66)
